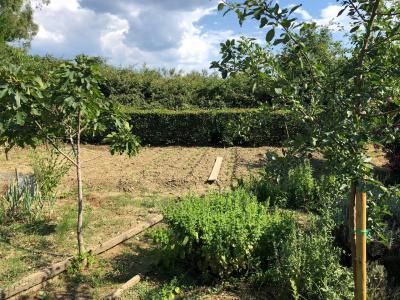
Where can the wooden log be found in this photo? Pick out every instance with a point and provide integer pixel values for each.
(215, 170)
(41, 276)
(35, 279)
(126, 235)
(117, 294)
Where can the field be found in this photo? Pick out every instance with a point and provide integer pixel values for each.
(119, 192)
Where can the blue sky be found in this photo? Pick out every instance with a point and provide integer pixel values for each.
(184, 34)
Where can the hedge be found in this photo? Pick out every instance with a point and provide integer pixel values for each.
(246, 127)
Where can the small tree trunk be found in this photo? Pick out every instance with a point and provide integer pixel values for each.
(351, 227)
(6, 151)
(81, 248)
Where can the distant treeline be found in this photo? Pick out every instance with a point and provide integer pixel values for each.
(146, 88)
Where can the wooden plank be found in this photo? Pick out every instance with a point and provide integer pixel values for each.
(126, 235)
(215, 170)
(117, 294)
(41, 276)
(35, 279)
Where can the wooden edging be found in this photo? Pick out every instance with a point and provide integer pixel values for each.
(215, 170)
(57, 268)
(117, 294)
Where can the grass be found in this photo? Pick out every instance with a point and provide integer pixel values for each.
(25, 248)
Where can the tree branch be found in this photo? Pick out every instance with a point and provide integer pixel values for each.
(54, 144)
(357, 11)
(364, 48)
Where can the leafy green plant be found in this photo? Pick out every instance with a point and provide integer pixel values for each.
(301, 261)
(48, 170)
(289, 182)
(80, 262)
(22, 201)
(216, 234)
(168, 291)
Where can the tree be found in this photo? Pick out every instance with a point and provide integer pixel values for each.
(32, 112)
(344, 107)
(365, 79)
(16, 19)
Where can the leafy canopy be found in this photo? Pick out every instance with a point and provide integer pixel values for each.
(16, 19)
(32, 111)
(346, 100)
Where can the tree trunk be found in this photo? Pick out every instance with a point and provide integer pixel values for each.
(351, 227)
(81, 248)
(6, 151)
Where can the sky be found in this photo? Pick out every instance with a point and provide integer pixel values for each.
(181, 34)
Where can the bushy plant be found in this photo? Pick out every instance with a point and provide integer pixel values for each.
(216, 235)
(48, 170)
(290, 182)
(300, 262)
(29, 198)
(22, 201)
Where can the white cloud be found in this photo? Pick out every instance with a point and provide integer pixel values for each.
(329, 18)
(159, 33)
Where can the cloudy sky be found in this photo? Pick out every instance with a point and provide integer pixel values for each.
(184, 34)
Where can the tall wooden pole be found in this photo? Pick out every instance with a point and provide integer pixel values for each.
(361, 246)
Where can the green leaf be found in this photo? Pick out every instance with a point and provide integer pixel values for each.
(354, 29)
(17, 98)
(20, 117)
(278, 91)
(221, 6)
(294, 8)
(341, 12)
(39, 81)
(3, 92)
(270, 35)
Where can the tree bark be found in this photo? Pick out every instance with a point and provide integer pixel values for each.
(81, 248)
(6, 151)
(351, 227)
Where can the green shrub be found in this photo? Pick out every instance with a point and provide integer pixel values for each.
(210, 127)
(167, 89)
(48, 170)
(216, 235)
(232, 234)
(29, 198)
(302, 263)
(289, 182)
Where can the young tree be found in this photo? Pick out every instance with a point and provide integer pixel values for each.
(32, 112)
(353, 103)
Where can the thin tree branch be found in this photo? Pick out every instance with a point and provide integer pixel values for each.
(357, 11)
(54, 144)
(364, 48)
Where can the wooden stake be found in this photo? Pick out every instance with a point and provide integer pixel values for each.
(361, 246)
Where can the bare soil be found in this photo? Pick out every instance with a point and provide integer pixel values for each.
(162, 171)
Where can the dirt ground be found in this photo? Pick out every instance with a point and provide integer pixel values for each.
(155, 171)
(119, 192)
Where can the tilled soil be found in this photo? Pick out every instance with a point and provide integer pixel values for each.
(161, 171)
